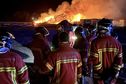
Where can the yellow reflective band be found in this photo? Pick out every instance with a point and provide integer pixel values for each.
(12, 71)
(7, 69)
(58, 71)
(104, 50)
(116, 50)
(98, 66)
(27, 82)
(94, 54)
(118, 67)
(100, 50)
(100, 56)
(80, 64)
(88, 53)
(109, 50)
(59, 62)
(13, 74)
(49, 66)
(68, 61)
(79, 75)
(22, 70)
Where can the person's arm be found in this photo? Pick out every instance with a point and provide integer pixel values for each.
(95, 62)
(22, 71)
(118, 64)
(118, 61)
(79, 69)
(48, 66)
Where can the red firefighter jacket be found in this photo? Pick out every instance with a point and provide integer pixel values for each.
(66, 65)
(106, 53)
(12, 69)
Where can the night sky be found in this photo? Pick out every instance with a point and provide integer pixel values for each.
(10, 9)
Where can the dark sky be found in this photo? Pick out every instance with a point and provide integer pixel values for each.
(9, 7)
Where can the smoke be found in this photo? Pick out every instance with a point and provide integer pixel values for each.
(121, 4)
(113, 9)
(100, 8)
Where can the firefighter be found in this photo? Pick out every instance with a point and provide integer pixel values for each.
(64, 64)
(12, 68)
(106, 54)
(40, 45)
(41, 48)
(81, 44)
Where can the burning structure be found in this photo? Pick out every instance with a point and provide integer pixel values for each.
(83, 9)
(119, 22)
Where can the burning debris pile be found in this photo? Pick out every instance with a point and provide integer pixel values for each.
(82, 9)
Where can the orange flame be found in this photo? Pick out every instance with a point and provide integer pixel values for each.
(54, 19)
(77, 18)
(80, 9)
(46, 19)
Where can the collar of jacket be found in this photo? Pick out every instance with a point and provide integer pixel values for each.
(64, 44)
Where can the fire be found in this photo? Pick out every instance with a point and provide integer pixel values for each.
(80, 9)
(77, 18)
(46, 19)
(54, 19)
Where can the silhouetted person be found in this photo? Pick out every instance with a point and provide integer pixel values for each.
(40, 48)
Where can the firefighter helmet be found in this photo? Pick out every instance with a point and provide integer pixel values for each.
(104, 24)
(5, 40)
(42, 30)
